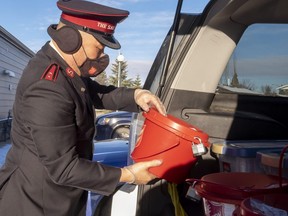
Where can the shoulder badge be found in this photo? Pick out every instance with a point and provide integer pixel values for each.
(51, 72)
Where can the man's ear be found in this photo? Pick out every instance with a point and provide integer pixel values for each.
(67, 38)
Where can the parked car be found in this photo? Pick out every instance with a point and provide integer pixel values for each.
(113, 125)
(113, 152)
(202, 73)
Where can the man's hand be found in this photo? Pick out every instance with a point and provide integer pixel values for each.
(138, 173)
(145, 99)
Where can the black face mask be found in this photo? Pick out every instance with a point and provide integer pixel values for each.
(93, 67)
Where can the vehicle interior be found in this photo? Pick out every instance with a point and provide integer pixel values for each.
(188, 74)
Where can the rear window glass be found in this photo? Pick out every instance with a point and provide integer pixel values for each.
(259, 64)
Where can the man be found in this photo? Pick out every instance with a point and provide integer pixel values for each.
(48, 169)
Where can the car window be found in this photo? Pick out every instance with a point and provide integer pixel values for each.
(259, 64)
(186, 25)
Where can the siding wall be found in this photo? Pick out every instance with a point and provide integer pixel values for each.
(14, 56)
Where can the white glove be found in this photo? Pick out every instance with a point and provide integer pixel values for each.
(145, 99)
(138, 173)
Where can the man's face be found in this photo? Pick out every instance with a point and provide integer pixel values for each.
(94, 59)
(93, 48)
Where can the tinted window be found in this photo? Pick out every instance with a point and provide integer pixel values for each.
(259, 64)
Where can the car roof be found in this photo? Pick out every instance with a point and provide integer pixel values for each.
(115, 114)
(248, 12)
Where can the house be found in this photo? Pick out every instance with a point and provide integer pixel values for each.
(282, 90)
(14, 56)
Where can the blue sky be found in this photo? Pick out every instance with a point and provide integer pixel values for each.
(140, 35)
(261, 55)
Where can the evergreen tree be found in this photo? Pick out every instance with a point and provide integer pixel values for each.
(102, 78)
(137, 82)
(235, 81)
(124, 81)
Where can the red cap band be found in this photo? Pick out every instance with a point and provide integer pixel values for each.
(92, 24)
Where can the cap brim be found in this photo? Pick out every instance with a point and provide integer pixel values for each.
(106, 40)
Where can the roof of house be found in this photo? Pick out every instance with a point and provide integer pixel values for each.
(228, 89)
(14, 41)
(283, 87)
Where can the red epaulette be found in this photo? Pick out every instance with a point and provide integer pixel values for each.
(51, 72)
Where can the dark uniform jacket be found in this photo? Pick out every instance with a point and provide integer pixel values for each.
(49, 167)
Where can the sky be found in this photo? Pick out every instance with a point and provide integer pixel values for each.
(140, 35)
(261, 56)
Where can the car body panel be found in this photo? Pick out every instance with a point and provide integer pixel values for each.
(113, 152)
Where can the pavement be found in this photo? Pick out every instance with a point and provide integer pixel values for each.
(4, 147)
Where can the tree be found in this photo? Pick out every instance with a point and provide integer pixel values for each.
(235, 81)
(247, 85)
(137, 82)
(268, 90)
(102, 78)
(124, 81)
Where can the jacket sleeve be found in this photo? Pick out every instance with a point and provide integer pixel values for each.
(111, 97)
(49, 115)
